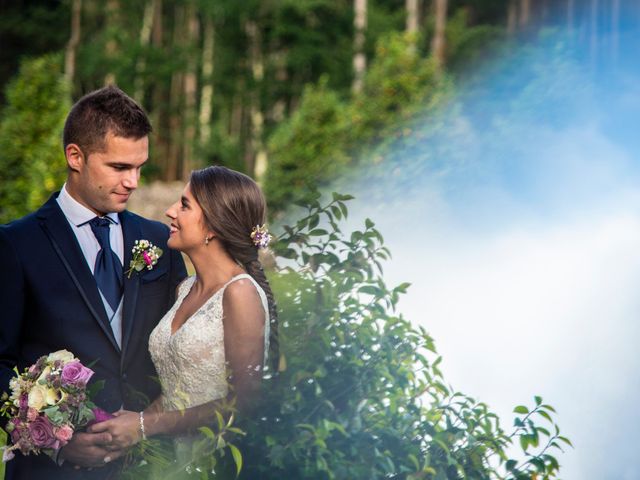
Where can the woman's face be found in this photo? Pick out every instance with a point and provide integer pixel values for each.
(187, 223)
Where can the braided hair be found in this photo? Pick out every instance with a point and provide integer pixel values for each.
(232, 205)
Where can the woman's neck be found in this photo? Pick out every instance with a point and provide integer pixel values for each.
(213, 266)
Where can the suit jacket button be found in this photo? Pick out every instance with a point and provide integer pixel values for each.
(124, 376)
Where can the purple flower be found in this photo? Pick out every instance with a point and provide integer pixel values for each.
(13, 426)
(100, 415)
(74, 373)
(24, 402)
(41, 432)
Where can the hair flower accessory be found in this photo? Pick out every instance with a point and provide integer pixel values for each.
(260, 236)
(145, 255)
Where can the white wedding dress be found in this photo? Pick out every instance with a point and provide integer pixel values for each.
(191, 362)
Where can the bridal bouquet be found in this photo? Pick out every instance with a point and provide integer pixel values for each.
(48, 402)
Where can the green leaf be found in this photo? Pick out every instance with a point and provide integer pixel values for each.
(237, 458)
(314, 221)
(565, 440)
(521, 409)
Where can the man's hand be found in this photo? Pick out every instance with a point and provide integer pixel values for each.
(89, 450)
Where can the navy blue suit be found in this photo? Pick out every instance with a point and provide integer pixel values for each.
(49, 301)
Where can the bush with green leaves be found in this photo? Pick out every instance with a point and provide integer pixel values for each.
(328, 134)
(359, 393)
(31, 156)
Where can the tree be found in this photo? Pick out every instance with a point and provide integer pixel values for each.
(31, 155)
(74, 40)
(412, 16)
(327, 134)
(438, 44)
(359, 57)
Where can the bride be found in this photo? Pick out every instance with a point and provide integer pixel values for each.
(224, 317)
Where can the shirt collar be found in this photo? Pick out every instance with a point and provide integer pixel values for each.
(77, 213)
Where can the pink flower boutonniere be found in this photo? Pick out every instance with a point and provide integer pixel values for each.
(145, 255)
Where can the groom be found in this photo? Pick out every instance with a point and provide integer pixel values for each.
(63, 281)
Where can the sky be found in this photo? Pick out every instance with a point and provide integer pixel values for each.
(519, 233)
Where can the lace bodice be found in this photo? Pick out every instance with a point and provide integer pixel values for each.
(191, 362)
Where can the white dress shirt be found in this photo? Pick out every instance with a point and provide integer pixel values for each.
(78, 217)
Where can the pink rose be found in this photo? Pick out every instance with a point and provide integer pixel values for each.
(64, 434)
(41, 433)
(74, 373)
(32, 414)
(100, 415)
(147, 258)
(24, 402)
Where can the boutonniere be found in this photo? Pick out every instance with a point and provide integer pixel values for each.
(145, 255)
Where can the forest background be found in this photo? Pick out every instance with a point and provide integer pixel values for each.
(305, 95)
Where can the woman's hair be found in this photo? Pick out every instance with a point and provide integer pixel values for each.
(232, 205)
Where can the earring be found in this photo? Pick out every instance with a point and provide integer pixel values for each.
(206, 240)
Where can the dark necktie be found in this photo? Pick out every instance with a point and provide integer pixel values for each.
(108, 269)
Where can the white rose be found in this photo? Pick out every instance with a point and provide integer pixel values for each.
(38, 397)
(64, 355)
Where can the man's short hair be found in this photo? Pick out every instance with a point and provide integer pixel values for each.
(108, 110)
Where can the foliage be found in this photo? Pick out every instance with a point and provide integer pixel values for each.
(31, 156)
(309, 148)
(327, 134)
(213, 454)
(360, 393)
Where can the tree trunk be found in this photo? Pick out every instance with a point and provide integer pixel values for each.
(111, 49)
(175, 104)
(359, 57)
(512, 17)
(145, 38)
(192, 27)
(160, 113)
(438, 44)
(74, 40)
(206, 97)
(412, 16)
(255, 154)
(525, 13)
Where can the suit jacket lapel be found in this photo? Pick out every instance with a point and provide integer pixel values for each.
(131, 231)
(65, 243)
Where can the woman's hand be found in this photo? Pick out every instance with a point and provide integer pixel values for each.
(124, 429)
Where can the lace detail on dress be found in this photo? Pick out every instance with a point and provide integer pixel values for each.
(191, 362)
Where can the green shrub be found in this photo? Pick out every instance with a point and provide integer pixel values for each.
(360, 394)
(326, 134)
(31, 155)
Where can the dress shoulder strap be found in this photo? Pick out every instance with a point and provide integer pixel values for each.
(185, 286)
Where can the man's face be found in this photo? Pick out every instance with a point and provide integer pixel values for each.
(104, 180)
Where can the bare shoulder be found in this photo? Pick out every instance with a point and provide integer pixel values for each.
(241, 291)
(241, 299)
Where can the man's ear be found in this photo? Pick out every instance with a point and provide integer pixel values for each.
(75, 157)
